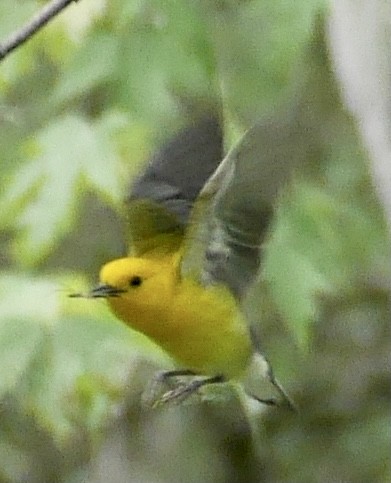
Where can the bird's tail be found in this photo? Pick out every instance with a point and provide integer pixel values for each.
(261, 370)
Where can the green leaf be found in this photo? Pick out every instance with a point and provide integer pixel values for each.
(257, 46)
(26, 306)
(26, 297)
(92, 64)
(166, 58)
(19, 342)
(64, 370)
(72, 153)
(295, 284)
(80, 374)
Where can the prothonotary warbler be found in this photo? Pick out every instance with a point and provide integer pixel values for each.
(183, 283)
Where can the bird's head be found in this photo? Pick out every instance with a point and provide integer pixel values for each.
(138, 290)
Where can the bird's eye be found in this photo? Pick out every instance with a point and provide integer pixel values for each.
(135, 281)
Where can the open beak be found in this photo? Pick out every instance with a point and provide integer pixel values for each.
(101, 291)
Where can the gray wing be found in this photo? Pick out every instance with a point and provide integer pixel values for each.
(234, 211)
(237, 203)
(161, 198)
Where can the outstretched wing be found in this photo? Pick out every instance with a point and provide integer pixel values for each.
(161, 198)
(235, 208)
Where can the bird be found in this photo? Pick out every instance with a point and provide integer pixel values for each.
(196, 225)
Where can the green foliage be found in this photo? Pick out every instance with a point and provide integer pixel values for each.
(82, 105)
(271, 35)
(53, 178)
(63, 367)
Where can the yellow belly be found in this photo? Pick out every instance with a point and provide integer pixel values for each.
(201, 328)
(208, 334)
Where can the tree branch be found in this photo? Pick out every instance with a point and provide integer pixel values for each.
(29, 29)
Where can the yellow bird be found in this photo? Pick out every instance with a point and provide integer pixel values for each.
(189, 268)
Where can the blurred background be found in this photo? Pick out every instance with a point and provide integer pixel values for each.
(83, 105)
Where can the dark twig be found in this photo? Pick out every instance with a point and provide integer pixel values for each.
(36, 23)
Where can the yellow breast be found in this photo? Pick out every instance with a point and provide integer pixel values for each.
(202, 328)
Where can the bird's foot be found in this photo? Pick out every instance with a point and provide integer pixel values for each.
(152, 394)
(179, 394)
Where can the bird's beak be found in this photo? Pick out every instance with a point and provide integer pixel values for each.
(101, 291)
(104, 291)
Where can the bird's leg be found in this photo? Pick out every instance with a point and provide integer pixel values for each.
(181, 393)
(163, 376)
(157, 382)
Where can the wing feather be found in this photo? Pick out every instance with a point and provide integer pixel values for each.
(233, 213)
(162, 197)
